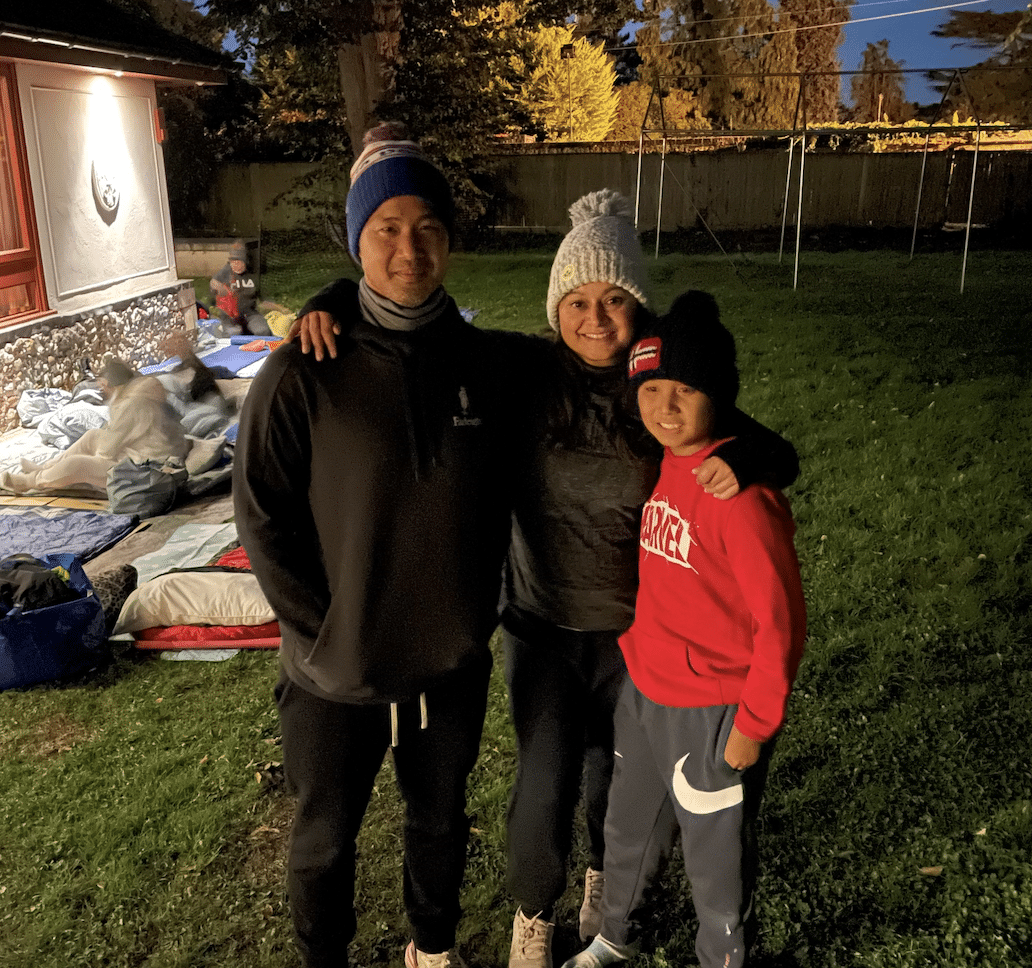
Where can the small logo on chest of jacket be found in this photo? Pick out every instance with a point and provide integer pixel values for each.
(466, 418)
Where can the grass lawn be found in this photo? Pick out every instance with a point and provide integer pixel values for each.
(142, 821)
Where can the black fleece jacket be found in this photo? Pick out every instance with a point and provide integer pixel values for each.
(372, 494)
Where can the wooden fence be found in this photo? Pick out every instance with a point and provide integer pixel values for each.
(729, 190)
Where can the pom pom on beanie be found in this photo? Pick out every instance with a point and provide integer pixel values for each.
(602, 246)
(392, 164)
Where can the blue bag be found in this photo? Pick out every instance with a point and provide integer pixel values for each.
(55, 641)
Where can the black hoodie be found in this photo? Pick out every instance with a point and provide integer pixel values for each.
(372, 497)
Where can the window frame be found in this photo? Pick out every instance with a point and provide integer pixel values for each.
(21, 266)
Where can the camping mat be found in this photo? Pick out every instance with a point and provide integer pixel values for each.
(228, 354)
(199, 655)
(41, 532)
(234, 358)
(265, 636)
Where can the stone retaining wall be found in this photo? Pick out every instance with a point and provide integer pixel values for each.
(51, 354)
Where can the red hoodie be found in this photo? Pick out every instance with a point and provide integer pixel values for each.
(720, 617)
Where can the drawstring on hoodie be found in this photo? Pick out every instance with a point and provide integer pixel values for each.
(424, 718)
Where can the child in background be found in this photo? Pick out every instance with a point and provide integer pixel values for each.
(236, 296)
(712, 654)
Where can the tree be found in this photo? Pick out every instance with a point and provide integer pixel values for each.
(300, 110)
(729, 53)
(569, 90)
(817, 38)
(178, 16)
(877, 92)
(432, 65)
(383, 46)
(679, 111)
(1000, 87)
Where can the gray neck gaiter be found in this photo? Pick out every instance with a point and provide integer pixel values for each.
(381, 311)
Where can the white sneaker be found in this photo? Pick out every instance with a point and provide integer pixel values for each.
(531, 942)
(414, 958)
(601, 953)
(591, 909)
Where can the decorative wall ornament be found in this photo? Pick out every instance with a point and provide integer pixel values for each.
(105, 192)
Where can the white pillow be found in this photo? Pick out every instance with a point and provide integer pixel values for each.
(195, 598)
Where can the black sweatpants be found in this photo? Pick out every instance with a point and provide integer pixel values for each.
(563, 688)
(670, 773)
(332, 752)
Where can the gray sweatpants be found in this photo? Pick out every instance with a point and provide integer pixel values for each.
(670, 773)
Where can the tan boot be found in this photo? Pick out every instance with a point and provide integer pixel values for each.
(414, 958)
(591, 909)
(531, 942)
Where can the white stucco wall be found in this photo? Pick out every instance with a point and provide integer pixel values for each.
(87, 134)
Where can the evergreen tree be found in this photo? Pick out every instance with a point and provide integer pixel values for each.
(1000, 87)
(878, 93)
(569, 90)
(435, 66)
(388, 49)
(729, 53)
(300, 111)
(178, 16)
(817, 39)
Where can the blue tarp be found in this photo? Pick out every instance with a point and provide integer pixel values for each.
(231, 359)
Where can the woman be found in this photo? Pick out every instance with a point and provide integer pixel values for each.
(588, 466)
(572, 569)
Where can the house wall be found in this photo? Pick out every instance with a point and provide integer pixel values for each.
(90, 138)
(106, 247)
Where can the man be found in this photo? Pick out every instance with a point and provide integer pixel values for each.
(370, 496)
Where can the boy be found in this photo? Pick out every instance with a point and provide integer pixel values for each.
(236, 296)
(712, 653)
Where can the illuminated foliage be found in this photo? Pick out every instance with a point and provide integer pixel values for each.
(569, 90)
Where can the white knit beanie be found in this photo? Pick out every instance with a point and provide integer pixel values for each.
(602, 246)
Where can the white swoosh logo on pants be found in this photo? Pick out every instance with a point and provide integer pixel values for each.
(702, 801)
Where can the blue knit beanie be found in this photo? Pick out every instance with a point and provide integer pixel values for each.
(391, 164)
